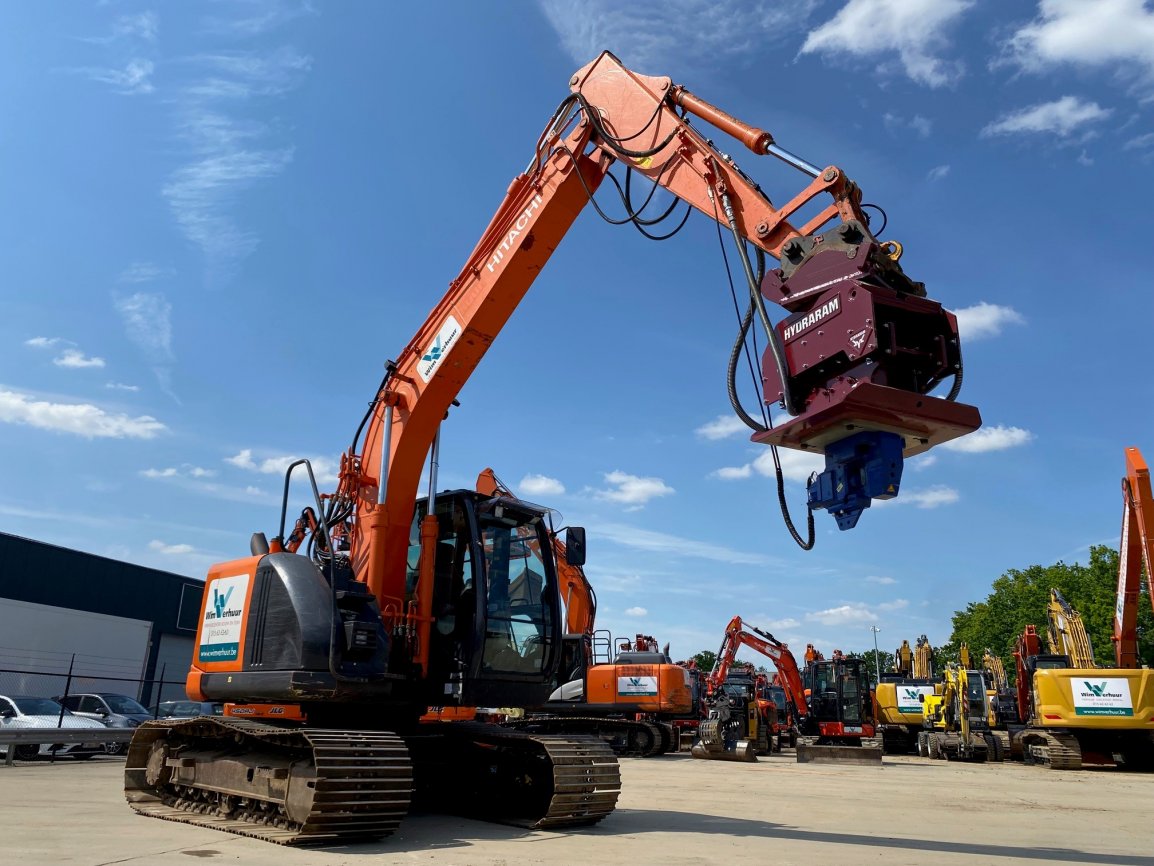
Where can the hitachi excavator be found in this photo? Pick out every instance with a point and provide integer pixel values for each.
(739, 723)
(898, 697)
(326, 658)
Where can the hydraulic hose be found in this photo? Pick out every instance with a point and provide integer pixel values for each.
(775, 345)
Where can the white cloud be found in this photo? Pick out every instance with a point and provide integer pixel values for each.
(722, 427)
(931, 497)
(986, 320)
(80, 419)
(920, 126)
(912, 30)
(170, 472)
(1140, 142)
(170, 549)
(186, 470)
(144, 272)
(45, 342)
(636, 611)
(540, 485)
(855, 612)
(324, 469)
(1085, 159)
(674, 545)
(733, 473)
(881, 581)
(773, 625)
(996, 438)
(1111, 34)
(1059, 117)
(228, 154)
(143, 26)
(686, 33)
(632, 490)
(120, 386)
(133, 79)
(922, 461)
(842, 615)
(76, 360)
(148, 322)
(200, 195)
(938, 172)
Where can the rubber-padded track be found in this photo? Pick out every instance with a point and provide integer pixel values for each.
(363, 784)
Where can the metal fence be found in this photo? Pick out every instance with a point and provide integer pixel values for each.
(73, 675)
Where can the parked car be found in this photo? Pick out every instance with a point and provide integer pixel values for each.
(20, 712)
(111, 710)
(188, 709)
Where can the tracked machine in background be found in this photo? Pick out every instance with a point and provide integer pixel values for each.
(839, 724)
(740, 723)
(956, 722)
(328, 658)
(898, 697)
(1004, 721)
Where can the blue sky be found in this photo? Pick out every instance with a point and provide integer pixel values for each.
(220, 219)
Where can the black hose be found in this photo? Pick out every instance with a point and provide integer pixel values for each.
(775, 345)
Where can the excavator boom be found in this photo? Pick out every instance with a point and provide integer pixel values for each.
(1137, 550)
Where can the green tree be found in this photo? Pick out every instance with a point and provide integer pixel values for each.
(705, 659)
(885, 659)
(1020, 596)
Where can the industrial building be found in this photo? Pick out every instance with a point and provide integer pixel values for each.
(120, 627)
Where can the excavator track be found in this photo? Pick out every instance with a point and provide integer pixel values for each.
(493, 773)
(1058, 751)
(284, 785)
(625, 737)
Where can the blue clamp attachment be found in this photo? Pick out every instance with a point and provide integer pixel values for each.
(858, 469)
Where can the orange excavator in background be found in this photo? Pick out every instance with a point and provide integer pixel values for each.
(327, 659)
(630, 700)
(740, 723)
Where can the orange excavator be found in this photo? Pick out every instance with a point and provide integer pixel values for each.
(740, 723)
(630, 700)
(326, 659)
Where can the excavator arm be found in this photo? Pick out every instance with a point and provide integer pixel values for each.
(1066, 633)
(1137, 550)
(739, 634)
(852, 363)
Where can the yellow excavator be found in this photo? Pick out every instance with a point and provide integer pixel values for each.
(956, 723)
(1077, 713)
(898, 697)
(1003, 704)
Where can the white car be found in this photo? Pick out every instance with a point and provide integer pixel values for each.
(22, 712)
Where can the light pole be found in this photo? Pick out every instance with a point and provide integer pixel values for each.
(877, 659)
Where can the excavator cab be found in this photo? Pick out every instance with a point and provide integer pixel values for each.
(496, 606)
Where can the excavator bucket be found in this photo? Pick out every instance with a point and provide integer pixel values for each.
(743, 750)
(811, 754)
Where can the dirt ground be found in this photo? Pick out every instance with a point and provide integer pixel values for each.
(673, 810)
